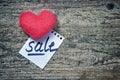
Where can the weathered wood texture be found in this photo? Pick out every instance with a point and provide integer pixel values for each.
(91, 50)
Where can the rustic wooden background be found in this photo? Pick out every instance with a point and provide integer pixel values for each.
(90, 51)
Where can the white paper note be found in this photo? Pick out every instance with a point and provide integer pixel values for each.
(40, 52)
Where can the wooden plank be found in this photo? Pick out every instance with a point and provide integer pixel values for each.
(91, 48)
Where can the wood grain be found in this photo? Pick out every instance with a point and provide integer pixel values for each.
(90, 51)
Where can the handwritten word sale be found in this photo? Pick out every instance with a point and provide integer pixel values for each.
(41, 47)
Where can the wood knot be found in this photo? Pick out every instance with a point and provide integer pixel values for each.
(110, 6)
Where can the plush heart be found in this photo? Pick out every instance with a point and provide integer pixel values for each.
(37, 26)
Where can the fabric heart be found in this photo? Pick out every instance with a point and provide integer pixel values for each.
(37, 26)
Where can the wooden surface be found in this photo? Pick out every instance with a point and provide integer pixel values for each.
(90, 51)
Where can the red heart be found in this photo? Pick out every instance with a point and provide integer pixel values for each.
(37, 26)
